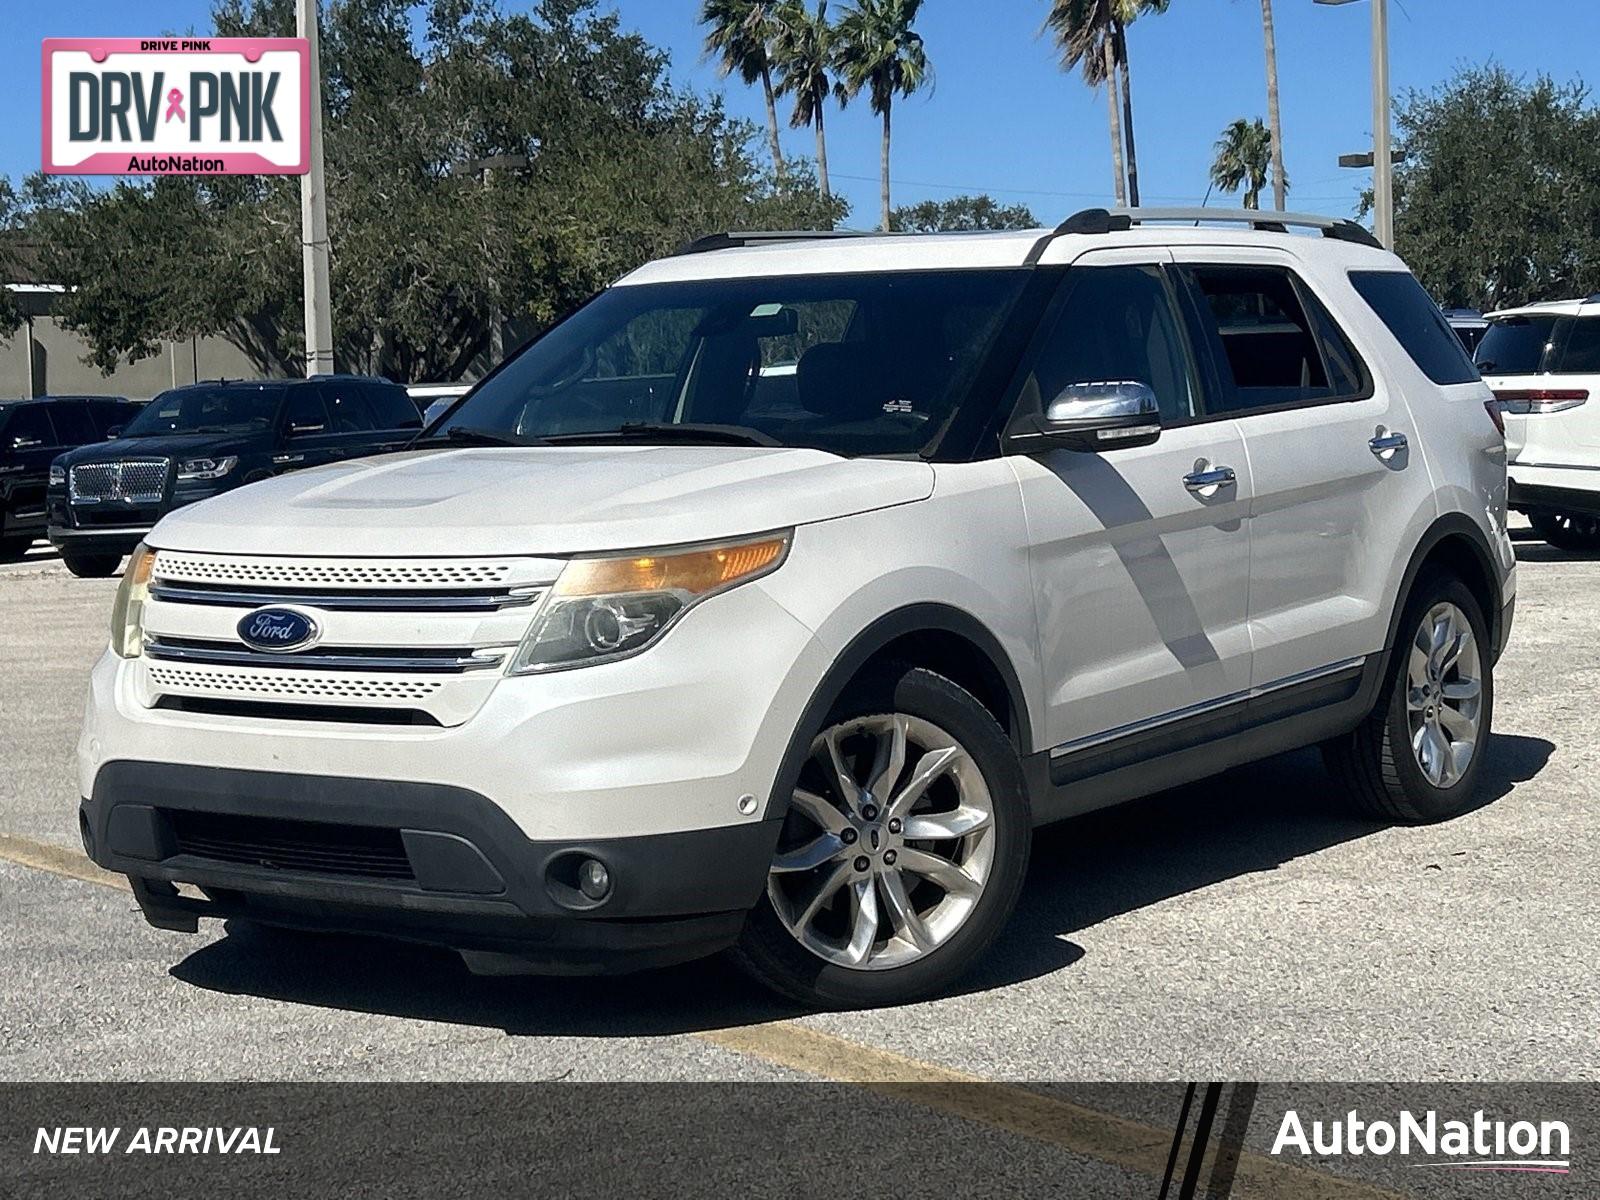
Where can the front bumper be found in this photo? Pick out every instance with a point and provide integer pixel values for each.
(423, 862)
(119, 540)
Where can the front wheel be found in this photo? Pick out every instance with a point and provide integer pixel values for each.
(1417, 757)
(92, 566)
(903, 851)
(1567, 531)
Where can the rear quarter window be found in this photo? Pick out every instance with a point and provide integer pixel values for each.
(1417, 324)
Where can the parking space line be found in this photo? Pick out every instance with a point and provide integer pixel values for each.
(1089, 1133)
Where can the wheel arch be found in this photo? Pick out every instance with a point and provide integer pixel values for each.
(1457, 544)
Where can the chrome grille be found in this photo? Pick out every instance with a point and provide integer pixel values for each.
(256, 574)
(136, 481)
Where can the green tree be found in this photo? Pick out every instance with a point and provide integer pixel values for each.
(961, 213)
(880, 53)
(24, 211)
(1243, 160)
(1498, 200)
(1269, 37)
(741, 37)
(427, 244)
(1093, 35)
(803, 53)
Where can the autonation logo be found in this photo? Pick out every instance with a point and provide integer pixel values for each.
(1479, 1144)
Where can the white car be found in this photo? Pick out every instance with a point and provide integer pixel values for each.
(651, 651)
(433, 400)
(1543, 362)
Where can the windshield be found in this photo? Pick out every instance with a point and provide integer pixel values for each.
(1515, 345)
(233, 409)
(851, 364)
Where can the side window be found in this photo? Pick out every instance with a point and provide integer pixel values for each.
(1417, 324)
(29, 428)
(1117, 325)
(348, 410)
(72, 423)
(1273, 350)
(110, 414)
(1581, 354)
(304, 413)
(392, 408)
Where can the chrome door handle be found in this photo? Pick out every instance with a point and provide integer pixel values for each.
(1385, 444)
(1209, 480)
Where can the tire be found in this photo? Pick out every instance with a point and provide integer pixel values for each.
(12, 549)
(92, 566)
(923, 935)
(1379, 765)
(1576, 532)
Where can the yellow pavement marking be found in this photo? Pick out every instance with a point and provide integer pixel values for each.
(1118, 1141)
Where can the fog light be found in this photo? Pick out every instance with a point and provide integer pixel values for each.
(594, 881)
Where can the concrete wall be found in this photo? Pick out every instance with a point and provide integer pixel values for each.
(59, 366)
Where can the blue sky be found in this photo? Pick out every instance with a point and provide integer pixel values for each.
(1002, 117)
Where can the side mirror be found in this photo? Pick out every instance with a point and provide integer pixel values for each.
(1101, 416)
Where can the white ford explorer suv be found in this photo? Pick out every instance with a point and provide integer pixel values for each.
(771, 599)
(1543, 362)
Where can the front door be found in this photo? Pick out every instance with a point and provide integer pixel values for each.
(1140, 567)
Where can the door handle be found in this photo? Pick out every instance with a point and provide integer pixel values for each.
(1209, 480)
(1385, 443)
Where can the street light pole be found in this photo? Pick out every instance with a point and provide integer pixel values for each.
(1382, 156)
(314, 214)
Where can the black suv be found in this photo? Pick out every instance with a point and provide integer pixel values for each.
(195, 441)
(32, 433)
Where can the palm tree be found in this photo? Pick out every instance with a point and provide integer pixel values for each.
(1123, 13)
(740, 39)
(1280, 182)
(877, 50)
(803, 54)
(1244, 158)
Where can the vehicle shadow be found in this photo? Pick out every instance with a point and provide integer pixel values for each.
(1544, 552)
(1085, 871)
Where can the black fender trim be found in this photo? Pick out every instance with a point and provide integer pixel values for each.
(913, 618)
(1456, 525)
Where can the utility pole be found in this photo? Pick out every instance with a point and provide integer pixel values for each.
(1382, 152)
(314, 213)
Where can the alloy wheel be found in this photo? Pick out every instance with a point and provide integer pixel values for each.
(889, 843)
(1444, 695)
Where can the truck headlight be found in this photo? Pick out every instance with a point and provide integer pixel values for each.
(602, 609)
(58, 476)
(207, 468)
(127, 611)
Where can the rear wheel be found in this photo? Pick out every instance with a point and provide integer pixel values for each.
(13, 548)
(1567, 531)
(92, 566)
(903, 851)
(1417, 757)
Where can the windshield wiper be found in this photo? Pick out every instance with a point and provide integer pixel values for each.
(682, 431)
(469, 436)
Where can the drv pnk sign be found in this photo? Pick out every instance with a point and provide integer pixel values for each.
(177, 106)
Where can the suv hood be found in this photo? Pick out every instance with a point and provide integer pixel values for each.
(165, 445)
(539, 501)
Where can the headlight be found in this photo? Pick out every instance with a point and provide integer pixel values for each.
(602, 609)
(127, 612)
(207, 468)
(58, 476)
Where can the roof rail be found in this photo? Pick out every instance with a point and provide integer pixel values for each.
(1116, 220)
(760, 237)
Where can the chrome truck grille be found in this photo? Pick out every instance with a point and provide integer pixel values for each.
(409, 641)
(136, 481)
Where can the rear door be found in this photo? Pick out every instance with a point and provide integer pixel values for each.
(29, 441)
(1140, 573)
(1335, 477)
(306, 437)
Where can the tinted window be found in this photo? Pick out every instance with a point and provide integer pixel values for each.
(29, 423)
(304, 414)
(1515, 345)
(1417, 324)
(865, 363)
(72, 423)
(108, 414)
(1581, 354)
(1117, 325)
(1272, 348)
(392, 407)
(348, 408)
(236, 408)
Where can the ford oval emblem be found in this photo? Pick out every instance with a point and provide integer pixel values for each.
(277, 630)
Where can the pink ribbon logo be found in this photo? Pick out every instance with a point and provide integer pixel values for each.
(175, 105)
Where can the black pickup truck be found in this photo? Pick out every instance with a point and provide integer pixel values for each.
(196, 441)
(32, 434)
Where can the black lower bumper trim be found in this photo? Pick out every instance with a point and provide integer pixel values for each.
(1538, 497)
(424, 862)
(95, 541)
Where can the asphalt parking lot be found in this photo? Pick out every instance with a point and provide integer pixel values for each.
(1241, 927)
